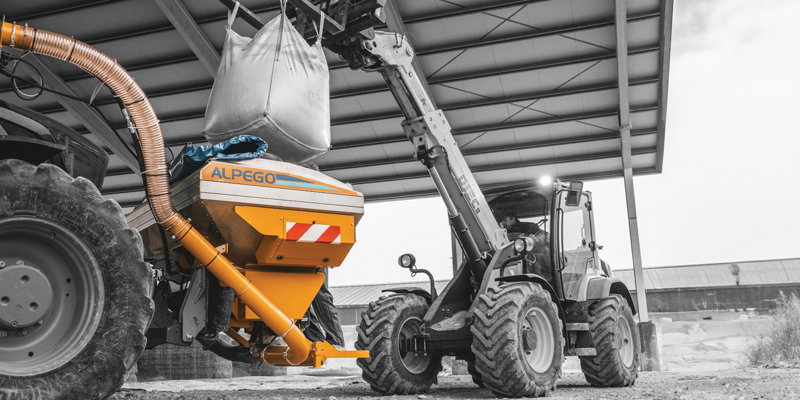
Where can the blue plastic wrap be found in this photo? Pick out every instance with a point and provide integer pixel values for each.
(191, 158)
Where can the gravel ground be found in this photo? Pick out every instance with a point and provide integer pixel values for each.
(741, 383)
(701, 355)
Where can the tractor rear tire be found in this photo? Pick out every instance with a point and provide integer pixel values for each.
(83, 274)
(616, 338)
(517, 340)
(389, 370)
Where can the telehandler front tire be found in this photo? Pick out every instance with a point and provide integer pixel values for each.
(390, 370)
(71, 265)
(616, 339)
(517, 340)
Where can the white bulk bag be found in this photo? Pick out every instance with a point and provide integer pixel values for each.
(274, 86)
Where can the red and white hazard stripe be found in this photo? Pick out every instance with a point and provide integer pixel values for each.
(313, 233)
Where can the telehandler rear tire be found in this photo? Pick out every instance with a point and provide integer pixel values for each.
(73, 267)
(616, 339)
(389, 370)
(517, 340)
(476, 376)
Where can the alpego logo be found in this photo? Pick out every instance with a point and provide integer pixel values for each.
(248, 176)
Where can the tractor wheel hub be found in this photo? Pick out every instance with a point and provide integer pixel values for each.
(25, 295)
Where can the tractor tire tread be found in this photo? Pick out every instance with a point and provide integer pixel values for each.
(605, 369)
(375, 333)
(495, 342)
(45, 191)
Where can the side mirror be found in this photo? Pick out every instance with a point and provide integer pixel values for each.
(574, 194)
(407, 261)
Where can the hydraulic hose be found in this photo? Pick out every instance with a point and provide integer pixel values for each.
(123, 85)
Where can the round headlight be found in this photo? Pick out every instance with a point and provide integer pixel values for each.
(519, 245)
(529, 243)
(407, 260)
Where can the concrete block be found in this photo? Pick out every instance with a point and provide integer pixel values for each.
(651, 346)
(460, 367)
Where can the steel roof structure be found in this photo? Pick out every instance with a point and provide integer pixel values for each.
(531, 88)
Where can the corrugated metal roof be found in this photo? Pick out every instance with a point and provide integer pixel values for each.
(765, 272)
(684, 276)
(530, 88)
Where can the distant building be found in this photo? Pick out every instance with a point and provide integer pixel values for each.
(722, 286)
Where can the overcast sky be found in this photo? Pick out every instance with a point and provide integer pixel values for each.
(729, 187)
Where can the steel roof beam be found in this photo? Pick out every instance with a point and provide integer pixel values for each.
(499, 167)
(487, 150)
(486, 188)
(496, 101)
(490, 73)
(85, 114)
(488, 168)
(495, 127)
(665, 47)
(59, 10)
(191, 33)
(439, 49)
(457, 132)
(382, 88)
(516, 37)
(484, 7)
(479, 150)
(457, 106)
(133, 68)
(433, 50)
(432, 192)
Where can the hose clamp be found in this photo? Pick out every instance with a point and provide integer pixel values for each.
(286, 355)
(13, 33)
(288, 330)
(245, 289)
(173, 224)
(188, 221)
(154, 169)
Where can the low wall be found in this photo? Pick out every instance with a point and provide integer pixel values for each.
(718, 298)
(673, 300)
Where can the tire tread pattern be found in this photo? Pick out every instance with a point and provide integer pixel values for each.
(606, 368)
(495, 342)
(382, 370)
(46, 191)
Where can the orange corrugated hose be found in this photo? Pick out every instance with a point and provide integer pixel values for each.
(112, 74)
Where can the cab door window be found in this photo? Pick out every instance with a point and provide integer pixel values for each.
(575, 257)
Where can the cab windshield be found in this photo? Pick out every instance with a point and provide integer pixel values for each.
(527, 213)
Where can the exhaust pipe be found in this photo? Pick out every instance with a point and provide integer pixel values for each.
(123, 85)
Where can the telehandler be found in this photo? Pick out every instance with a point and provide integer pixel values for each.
(225, 255)
(513, 309)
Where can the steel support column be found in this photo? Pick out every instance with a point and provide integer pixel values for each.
(651, 354)
(627, 164)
